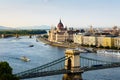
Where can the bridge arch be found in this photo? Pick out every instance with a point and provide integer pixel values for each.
(73, 63)
(72, 69)
(69, 64)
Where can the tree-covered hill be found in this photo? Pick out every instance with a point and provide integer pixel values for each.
(23, 32)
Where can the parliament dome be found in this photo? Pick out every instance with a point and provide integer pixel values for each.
(60, 25)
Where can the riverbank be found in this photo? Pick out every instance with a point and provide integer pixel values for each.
(70, 45)
(65, 45)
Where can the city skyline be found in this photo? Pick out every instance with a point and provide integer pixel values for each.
(73, 13)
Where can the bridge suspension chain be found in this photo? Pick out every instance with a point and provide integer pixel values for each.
(43, 67)
(89, 62)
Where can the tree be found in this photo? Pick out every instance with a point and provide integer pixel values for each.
(45, 36)
(6, 72)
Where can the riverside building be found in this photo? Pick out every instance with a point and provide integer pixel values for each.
(61, 33)
(117, 42)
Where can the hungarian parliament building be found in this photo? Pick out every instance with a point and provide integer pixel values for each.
(61, 33)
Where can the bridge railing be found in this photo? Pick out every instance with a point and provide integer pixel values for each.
(46, 67)
(88, 64)
(85, 61)
(57, 67)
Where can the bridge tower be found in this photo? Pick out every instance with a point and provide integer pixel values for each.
(72, 64)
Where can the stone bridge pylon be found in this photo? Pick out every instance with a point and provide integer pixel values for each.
(72, 64)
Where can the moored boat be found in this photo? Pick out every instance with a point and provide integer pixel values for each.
(109, 52)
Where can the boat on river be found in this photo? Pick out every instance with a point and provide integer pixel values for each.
(109, 52)
(23, 58)
(81, 50)
(31, 45)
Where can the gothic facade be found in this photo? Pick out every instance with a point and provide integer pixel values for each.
(61, 33)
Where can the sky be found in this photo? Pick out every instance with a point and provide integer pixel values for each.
(73, 13)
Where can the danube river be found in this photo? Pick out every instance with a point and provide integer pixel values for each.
(11, 49)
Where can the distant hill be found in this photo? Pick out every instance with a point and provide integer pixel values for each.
(25, 27)
(4, 28)
(36, 27)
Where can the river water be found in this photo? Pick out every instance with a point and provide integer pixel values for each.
(11, 49)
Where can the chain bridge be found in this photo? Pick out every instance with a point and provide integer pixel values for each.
(71, 63)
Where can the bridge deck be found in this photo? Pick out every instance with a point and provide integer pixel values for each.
(47, 73)
(45, 70)
(102, 66)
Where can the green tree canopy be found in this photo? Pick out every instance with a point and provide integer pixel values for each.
(6, 72)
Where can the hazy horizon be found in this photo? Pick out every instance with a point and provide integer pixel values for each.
(73, 13)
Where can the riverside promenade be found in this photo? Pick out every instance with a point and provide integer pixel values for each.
(60, 44)
(69, 45)
(64, 44)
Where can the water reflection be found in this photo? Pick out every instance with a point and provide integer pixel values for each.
(72, 76)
